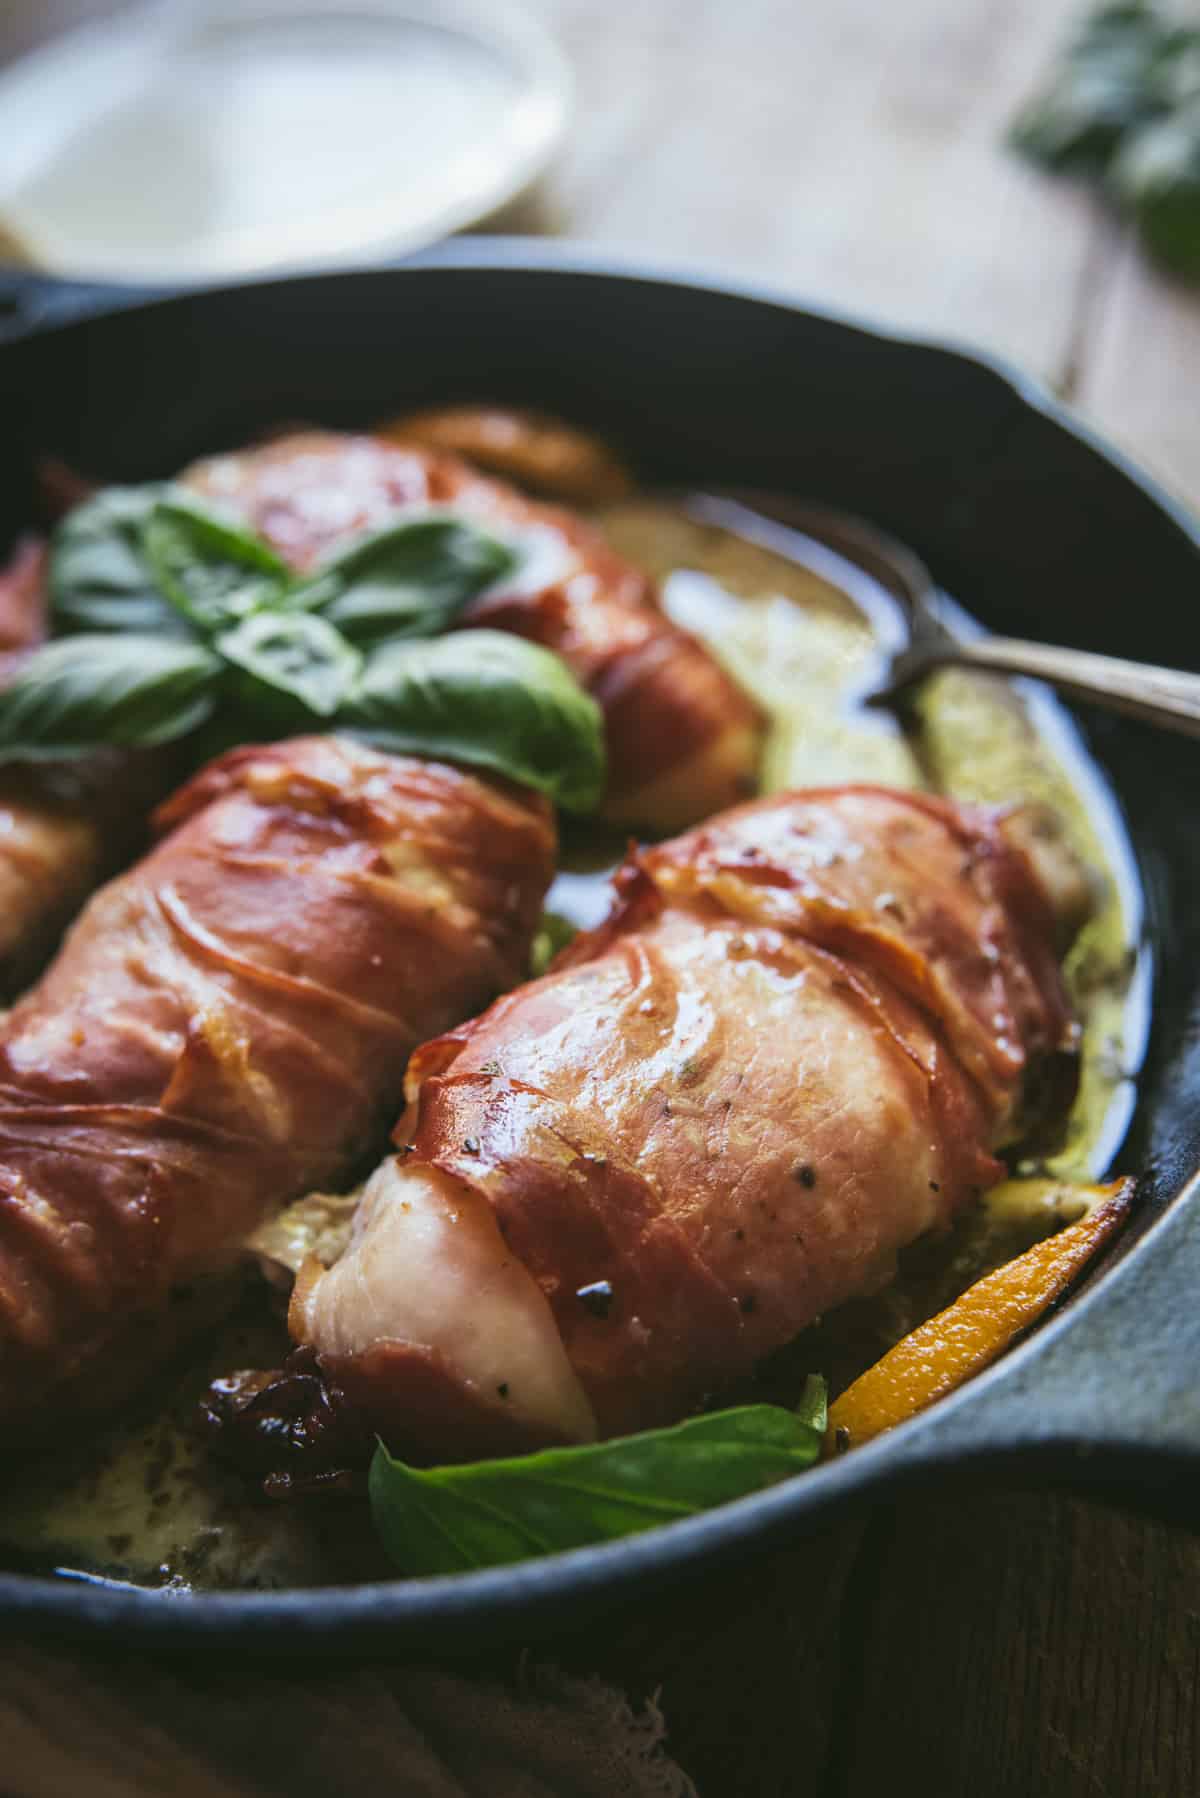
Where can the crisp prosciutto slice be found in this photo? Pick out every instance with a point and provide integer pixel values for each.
(683, 738)
(225, 1025)
(792, 1049)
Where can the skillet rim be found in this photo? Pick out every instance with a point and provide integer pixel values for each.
(299, 1621)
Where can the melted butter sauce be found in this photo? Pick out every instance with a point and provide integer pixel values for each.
(806, 632)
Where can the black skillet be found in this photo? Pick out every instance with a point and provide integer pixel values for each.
(1040, 530)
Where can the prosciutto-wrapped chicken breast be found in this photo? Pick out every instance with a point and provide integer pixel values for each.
(225, 1023)
(683, 738)
(794, 1048)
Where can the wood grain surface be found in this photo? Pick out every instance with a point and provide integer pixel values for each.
(1001, 1646)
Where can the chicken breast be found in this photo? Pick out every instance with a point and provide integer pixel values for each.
(792, 1050)
(683, 738)
(226, 1025)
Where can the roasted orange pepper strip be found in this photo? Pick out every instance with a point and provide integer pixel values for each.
(943, 1353)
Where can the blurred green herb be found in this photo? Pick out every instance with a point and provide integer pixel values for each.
(1123, 106)
(1100, 90)
(99, 576)
(1157, 176)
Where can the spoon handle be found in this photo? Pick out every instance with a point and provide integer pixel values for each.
(1166, 696)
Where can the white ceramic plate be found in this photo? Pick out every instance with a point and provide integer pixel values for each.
(205, 138)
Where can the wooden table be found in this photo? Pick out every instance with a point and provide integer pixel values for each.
(1002, 1646)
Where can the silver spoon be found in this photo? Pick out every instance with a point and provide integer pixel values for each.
(1169, 697)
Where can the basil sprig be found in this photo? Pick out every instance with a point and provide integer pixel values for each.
(490, 1513)
(1123, 105)
(1157, 175)
(158, 558)
(1102, 88)
(190, 620)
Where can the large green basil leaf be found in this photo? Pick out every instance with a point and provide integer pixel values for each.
(490, 700)
(83, 691)
(411, 579)
(490, 1513)
(291, 670)
(99, 577)
(212, 572)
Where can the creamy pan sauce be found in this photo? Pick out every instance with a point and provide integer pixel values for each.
(804, 632)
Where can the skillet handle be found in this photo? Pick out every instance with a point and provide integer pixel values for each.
(1104, 1400)
(30, 301)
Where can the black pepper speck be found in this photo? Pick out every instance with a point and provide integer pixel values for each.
(805, 1173)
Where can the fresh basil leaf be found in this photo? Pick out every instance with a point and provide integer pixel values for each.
(290, 669)
(411, 579)
(83, 691)
(489, 1513)
(210, 570)
(99, 577)
(487, 699)
(1175, 78)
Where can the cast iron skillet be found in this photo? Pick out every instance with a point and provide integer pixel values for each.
(1029, 521)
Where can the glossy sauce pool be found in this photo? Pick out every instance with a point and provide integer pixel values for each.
(804, 631)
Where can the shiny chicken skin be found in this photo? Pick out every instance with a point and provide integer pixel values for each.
(683, 738)
(227, 1023)
(793, 1048)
